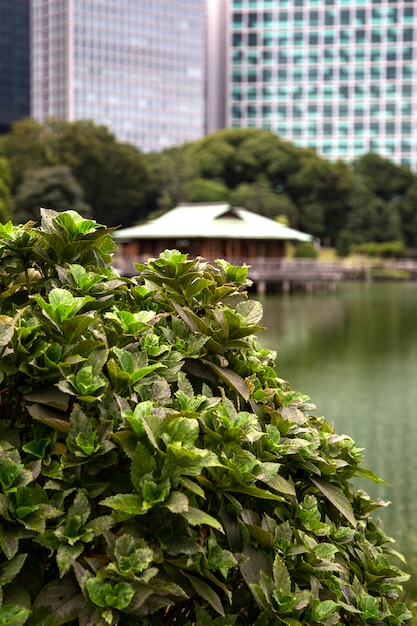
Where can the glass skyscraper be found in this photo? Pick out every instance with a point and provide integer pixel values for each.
(136, 66)
(339, 76)
(14, 62)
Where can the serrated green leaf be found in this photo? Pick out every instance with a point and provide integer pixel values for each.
(11, 615)
(206, 592)
(336, 497)
(196, 517)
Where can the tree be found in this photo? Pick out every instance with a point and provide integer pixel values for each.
(113, 176)
(48, 187)
(5, 190)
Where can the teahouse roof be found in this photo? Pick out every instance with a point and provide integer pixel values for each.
(211, 220)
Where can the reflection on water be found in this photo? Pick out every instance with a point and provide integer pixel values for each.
(355, 354)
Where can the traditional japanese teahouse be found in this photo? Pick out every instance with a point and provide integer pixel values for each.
(211, 230)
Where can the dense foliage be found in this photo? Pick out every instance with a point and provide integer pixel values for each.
(369, 200)
(154, 468)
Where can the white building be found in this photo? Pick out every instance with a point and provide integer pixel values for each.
(136, 66)
(339, 76)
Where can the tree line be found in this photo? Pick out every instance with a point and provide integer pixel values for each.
(81, 165)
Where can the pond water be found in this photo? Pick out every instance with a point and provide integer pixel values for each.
(354, 352)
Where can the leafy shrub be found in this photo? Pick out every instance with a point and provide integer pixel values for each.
(385, 249)
(154, 469)
(306, 250)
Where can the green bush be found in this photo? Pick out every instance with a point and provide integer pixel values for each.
(385, 249)
(155, 470)
(306, 250)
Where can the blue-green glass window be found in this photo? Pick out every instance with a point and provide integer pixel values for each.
(359, 73)
(313, 74)
(392, 15)
(298, 39)
(407, 54)
(314, 3)
(328, 110)
(374, 110)
(252, 39)
(328, 74)
(253, 20)
(360, 35)
(406, 91)
(312, 92)
(237, 94)
(390, 108)
(376, 35)
(313, 18)
(297, 74)
(329, 3)
(312, 110)
(327, 148)
(328, 91)
(266, 110)
(358, 128)
(236, 111)
(374, 145)
(297, 92)
(267, 92)
(298, 3)
(358, 110)
(296, 130)
(281, 129)
(359, 55)
(283, 56)
(408, 15)
(312, 130)
(268, 39)
(237, 20)
(374, 128)
(407, 71)
(408, 34)
(283, 16)
(282, 74)
(266, 75)
(283, 39)
(390, 89)
(360, 16)
(343, 129)
(344, 91)
(298, 56)
(268, 19)
(344, 36)
(345, 17)
(358, 147)
(282, 111)
(236, 76)
(252, 57)
(267, 56)
(344, 55)
(376, 16)
(237, 57)
(376, 55)
(237, 40)
(406, 127)
(359, 91)
(328, 36)
(237, 4)
(282, 92)
(392, 35)
(251, 76)
(251, 111)
(269, 3)
(327, 129)
(406, 108)
(391, 54)
(390, 128)
(342, 147)
(313, 56)
(297, 110)
(328, 54)
(298, 18)
(284, 3)
(375, 72)
(329, 17)
(375, 91)
(391, 72)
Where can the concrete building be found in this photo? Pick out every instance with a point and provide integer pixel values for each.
(136, 66)
(14, 62)
(339, 76)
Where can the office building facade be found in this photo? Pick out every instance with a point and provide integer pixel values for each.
(14, 62)
(339, 76)
(135, 66)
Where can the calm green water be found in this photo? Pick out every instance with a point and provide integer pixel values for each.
(354, 353)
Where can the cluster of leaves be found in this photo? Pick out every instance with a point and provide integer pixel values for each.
(154, 468)
(389, 249)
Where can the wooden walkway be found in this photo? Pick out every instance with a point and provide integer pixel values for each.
(287, 275)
